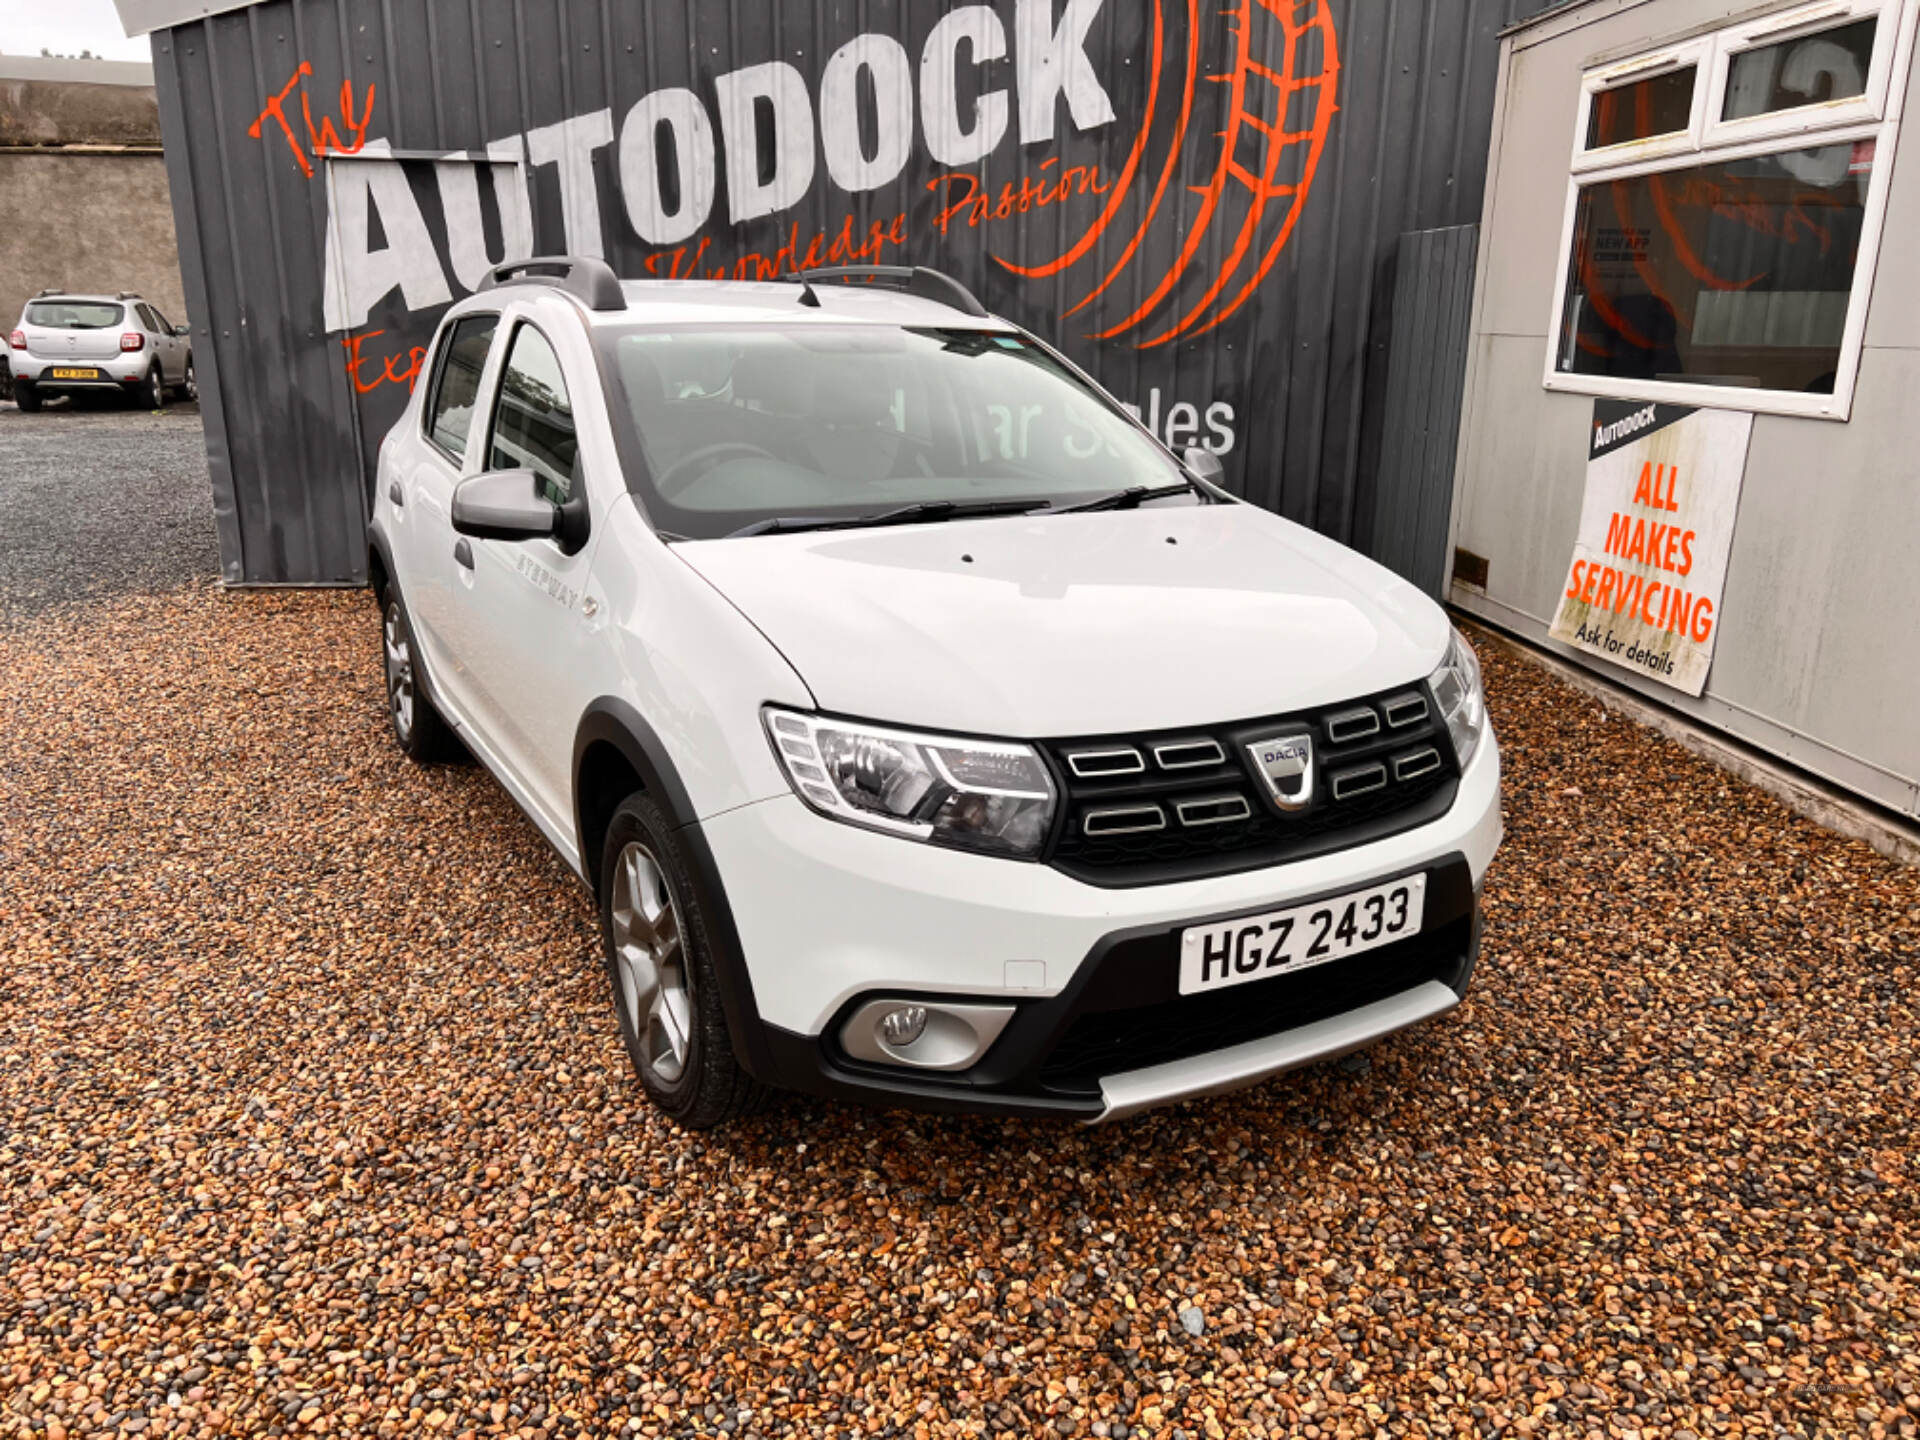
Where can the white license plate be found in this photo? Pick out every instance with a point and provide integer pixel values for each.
(1258, 947)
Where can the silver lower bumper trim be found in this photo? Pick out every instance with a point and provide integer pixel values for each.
(1242, 1065)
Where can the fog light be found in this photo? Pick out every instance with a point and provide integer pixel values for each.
(901, 1026)
(927, 1034)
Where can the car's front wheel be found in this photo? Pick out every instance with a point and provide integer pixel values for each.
(417, 726)
(189, 387)
(662, 975)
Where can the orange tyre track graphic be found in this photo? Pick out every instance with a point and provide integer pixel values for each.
(1117, 197)
(1166, 170)
(1260, 99)
(1262, 187)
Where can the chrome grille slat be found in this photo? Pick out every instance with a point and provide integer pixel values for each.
(1360, 780)
(1405, 710)
(1416, 763)
(1225, 810)
(1346, 726)
(1105, 764)
(1189, 754)
(1123, 820)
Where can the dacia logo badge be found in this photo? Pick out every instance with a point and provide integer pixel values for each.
(1285, 762)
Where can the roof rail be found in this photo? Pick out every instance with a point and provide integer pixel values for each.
(128, 295)
(589, 280)
(918, 280)
(56, 290)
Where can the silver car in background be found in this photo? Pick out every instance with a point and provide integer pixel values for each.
(71, 343)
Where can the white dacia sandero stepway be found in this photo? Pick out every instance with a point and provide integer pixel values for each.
(927, 732)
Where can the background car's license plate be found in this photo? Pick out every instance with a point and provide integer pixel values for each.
(75, 373)
(1256, 947)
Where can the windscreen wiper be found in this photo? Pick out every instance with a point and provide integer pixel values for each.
(1128, 498)
(919, 512)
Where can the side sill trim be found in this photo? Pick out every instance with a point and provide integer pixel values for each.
(1240, 1065)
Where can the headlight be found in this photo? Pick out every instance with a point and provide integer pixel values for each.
(984, 795)
(1463, 704)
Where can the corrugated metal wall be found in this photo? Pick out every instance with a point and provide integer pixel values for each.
(1205, 213)
(1426, 369)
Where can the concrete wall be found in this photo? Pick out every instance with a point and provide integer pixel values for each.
(1817, 660)
(83, 185)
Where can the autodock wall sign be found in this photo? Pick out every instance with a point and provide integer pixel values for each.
(1650, 560)
(878, 154)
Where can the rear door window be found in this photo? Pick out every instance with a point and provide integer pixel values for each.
(456, 383)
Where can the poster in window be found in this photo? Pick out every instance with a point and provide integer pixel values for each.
(1650, 560)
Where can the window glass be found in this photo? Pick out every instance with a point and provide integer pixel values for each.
(74, 314)
(1658, 105)
(147, 317)
(1806, 70)
(1732, 273)
(737, 424)
(457, 383)
(533, 423)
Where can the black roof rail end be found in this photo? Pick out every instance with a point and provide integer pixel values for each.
(588, 280)
(928, 284)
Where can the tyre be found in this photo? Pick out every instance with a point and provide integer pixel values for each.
(189, 387)
(417, 726)
(26, 395)
(154, 392)
(661, 971)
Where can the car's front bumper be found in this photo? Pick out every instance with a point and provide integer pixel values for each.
(829, 917)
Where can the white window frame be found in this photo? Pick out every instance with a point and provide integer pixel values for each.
(1874, 116)
(1650, 66)
(1792, 25)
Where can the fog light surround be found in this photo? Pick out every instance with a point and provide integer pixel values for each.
(923, 1034)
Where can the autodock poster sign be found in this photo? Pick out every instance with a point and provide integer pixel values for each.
(1650, 561)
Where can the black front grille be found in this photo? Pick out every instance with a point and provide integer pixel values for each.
(1110, 1042)
(1176, 805)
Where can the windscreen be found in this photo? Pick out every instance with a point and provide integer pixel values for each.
(735, 425)
(75, 314)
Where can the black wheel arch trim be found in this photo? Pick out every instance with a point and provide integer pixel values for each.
(612, 721)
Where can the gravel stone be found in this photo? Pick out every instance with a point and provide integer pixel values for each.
(304, 1051)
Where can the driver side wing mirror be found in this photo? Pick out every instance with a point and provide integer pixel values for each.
(508, 505)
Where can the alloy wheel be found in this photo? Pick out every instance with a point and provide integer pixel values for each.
(192, 385)
(651, 961)
(399, 672)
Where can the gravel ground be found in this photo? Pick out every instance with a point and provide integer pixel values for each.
(314, 1119)
(100, 501)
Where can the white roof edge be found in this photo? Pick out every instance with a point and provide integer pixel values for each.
(135, 73)
(143, 17)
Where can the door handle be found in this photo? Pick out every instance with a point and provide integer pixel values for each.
(394, 494)
(463, 552)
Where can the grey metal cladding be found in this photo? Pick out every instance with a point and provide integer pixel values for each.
(1288, 354)
(1432, 314)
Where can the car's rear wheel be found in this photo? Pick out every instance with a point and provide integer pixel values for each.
(661, 970)
(156, 389)
(417, 726)
(26, 395)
